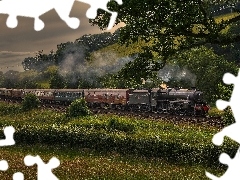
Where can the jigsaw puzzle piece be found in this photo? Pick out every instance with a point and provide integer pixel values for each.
(229, 78)
(36, 8)
(8, 133)
(63, 9)
(101, 4)
(3, 165)
(232, 172)
(44, 170)
(231, 131)
(221, 104)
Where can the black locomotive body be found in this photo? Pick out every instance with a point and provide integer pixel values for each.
(181, 101)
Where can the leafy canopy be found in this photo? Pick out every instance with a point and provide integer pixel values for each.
(171, 25)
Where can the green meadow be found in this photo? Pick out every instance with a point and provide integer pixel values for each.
(110, 146)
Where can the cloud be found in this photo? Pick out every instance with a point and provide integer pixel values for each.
(13, 60)
(20, 42)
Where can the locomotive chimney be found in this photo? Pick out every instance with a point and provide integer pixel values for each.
(163, 86)
(143, 81)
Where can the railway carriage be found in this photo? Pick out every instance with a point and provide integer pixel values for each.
(66, 96)
(112, 98)
(45, 95)
(17, 94)
(2, 93)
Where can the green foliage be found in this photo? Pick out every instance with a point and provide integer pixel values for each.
(78, 108)
(225, 94)
(215, 112)
(10, 79)
(57, 81)
(184, 24)
(9, 109)
(40, 62)
(182, 143)
(228, 117)
(209, 69)
(116, 124)
(30, 101)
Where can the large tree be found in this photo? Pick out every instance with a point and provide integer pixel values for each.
(172, 25)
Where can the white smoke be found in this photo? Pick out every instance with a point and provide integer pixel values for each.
(73, 55)
(101, 63)
(175, 72)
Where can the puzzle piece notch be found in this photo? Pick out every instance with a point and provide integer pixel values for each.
(44, 170)
(18, 176)
(234, 102)
(231, 131)
(36, 8)
(8, 132)
(229, 78)
(101, 4)
(232, 172)
(3, 165)
(221, 104)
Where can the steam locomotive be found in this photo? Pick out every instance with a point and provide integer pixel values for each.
(158, 100)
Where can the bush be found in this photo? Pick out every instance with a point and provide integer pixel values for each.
(78, 108)
(228, 117)
(9, 109)
(215, 112)
(115, 124)
(30, 101)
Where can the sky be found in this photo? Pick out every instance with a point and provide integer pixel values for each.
(23, 41)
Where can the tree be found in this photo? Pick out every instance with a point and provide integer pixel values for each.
(209, 69)
(30, 101)
(57, 81)
(168, 26)
(27, 79)
(11, 79)
(40, 62)
(1, 78)
(78, 108)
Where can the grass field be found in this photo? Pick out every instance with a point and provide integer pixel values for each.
(88, 164)
(110, 147)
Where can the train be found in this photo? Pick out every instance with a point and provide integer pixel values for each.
(175, 100)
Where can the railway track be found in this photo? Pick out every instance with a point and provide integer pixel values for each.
(202, 121)
(176, 119)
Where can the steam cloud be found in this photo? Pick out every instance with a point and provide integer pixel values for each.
(175, 72)
(74, 62)
(104, 62)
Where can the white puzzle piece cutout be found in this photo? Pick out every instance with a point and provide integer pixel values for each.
(3, 165)
(101, 4)
(44, 170)
(18, 176)
(233, 172)
(36, 8)
(231, 131)
(8, 132)
(8, 141)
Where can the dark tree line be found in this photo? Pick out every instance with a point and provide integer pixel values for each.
(84, 45)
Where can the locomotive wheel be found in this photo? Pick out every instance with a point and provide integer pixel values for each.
(160, 111)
